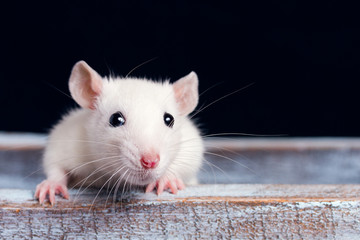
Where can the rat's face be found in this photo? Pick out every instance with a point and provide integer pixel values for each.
(138, 121)
(135, 124)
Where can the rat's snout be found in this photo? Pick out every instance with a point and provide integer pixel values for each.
(150, 160)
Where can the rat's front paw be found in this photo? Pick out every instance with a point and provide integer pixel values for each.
(48, 189)
(166, 182)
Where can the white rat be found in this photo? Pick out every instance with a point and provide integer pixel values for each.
(129, 130)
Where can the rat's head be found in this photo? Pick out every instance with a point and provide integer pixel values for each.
(135, 122)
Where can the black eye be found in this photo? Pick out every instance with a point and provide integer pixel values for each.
(169, 120)
(117, 119)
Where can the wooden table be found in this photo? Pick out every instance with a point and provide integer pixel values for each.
(257, 189)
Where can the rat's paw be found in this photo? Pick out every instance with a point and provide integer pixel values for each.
(166, 182)
(48, 189)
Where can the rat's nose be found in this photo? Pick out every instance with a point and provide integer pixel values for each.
(149, 161)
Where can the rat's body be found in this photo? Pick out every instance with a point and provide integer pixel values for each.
(131, 131)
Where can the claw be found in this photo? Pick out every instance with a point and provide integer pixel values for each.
(48, 189)
(150, 187)
(166, 182)
(160, 186)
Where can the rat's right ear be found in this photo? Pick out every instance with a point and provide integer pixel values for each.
(85, 85)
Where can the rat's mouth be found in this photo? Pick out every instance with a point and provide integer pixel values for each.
(142, 177)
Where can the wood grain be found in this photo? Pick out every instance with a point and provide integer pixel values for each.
(310, 202)
(232, 211)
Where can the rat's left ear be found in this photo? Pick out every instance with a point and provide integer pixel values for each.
(186, 93)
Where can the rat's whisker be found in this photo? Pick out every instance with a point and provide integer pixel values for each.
(105, 184)
(114, 185)
(219, 99)
(212, 166)
(141, 64)
(85, 179)
(100, 177)
(82, 141)
(122, 194)
(117, 188)
(243, 134)
(223, 149)
(232, 160)
(106, 166)
(84, 164)
(60, 160)
(57, 89)
(209, 88)
(125, 184)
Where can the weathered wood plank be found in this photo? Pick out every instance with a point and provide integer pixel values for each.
(232, 211)
(22, 169)
(199, 212)
(282, 143)
(21, 141)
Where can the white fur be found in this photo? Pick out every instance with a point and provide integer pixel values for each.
(84, 145)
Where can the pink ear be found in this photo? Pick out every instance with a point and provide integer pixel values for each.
(85, 85)
(186, 93)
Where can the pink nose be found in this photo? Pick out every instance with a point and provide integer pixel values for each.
(150, 160)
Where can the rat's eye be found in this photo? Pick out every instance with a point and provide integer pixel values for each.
(169, 120)
(117, 119)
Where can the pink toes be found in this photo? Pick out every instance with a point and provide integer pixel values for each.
(150, 187)
(48, 189)
(180, 184)
(164, 183)
(62, 190)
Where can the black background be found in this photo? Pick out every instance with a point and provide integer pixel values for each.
(304, 58)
